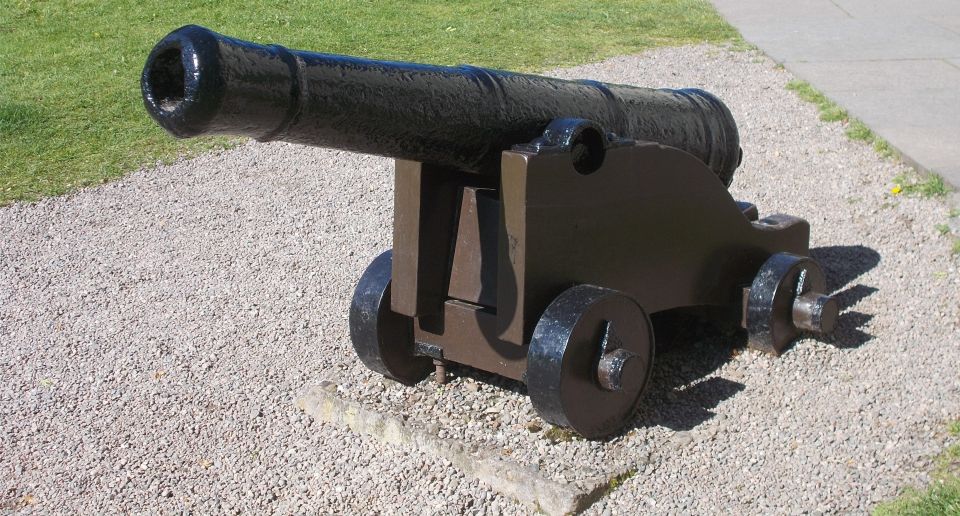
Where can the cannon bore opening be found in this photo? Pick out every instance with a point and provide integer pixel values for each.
(167, 79)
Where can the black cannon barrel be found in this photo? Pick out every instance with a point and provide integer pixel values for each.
(197, 82)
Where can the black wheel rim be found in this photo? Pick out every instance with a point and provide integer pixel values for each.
(565, 350)
(383, 339)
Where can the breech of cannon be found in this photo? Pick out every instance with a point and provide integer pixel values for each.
(198, 82)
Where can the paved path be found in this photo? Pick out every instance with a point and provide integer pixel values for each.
(893, 64)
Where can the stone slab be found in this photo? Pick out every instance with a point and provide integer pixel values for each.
(745, 12)
(896, 8)
(819, 39)
(880, 75)
(895, 65)
(487, 465)
(951, 23)
(922, 125)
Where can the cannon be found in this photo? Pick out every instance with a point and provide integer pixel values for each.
(539, 223)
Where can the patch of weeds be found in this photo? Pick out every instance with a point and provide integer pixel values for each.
(742, 45)
(956, 247)
(953, 213)
(619, 480)
(930, 185)
(831, 112)
(857, 130)
(884, 149)
(943, 229)
(941, 497)
(556, 434)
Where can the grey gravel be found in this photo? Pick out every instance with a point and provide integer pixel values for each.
(155, 330)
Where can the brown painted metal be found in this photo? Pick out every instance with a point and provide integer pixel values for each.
(649, 223)
(473, 273)
(468, 335)
(426, 199)
(787, 296)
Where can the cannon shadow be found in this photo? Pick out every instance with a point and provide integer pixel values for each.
(692, 344)
(843, 265)
(691, 347)
(681, 393)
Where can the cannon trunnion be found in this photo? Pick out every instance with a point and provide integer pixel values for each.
(536, 231)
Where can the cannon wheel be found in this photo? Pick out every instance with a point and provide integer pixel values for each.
(786, 297)
(384, 339)
(589, 360)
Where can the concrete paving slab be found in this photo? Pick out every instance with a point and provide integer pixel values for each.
(896, 8)
(879, 75)
(951, 23)
(894, 65)
(740, 11)
(818, 39)
(920, 124)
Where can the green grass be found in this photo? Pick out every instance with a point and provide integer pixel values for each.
(942, 497)
(556, 434)
(831, 112)
(927, 185)
(619, 480)
(70, 108)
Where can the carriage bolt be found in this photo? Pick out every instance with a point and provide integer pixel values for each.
(441, 374)
(815, 312)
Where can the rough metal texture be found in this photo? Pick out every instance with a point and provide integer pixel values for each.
(199, 82)
(155, 330)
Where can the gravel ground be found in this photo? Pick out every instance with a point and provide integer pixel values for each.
(155, 330)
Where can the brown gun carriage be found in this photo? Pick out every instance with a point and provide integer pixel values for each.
(538, 223)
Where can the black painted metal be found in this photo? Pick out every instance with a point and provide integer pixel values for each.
(199, 82)
(781, 280)
(383, 339)
(567, 348)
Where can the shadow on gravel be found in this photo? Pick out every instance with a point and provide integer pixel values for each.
(690, 347)
(843, 264)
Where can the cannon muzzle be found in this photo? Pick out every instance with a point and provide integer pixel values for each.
(198, 82)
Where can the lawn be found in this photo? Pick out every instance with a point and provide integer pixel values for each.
(70, 108)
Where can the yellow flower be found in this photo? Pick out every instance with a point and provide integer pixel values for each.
(896, 189)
